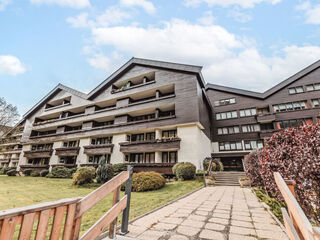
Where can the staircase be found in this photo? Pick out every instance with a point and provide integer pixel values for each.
(228, 178)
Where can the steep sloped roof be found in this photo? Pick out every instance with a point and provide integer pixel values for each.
(270, 91)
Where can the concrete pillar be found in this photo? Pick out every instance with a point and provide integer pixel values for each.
(158, 157)
(22, 159)
(54, 158)
(117, 156)
(82, 158)
(158, 134)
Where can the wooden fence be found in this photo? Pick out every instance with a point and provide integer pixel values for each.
(66, 215)
(296, 222)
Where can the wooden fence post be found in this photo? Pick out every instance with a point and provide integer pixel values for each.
(125, 215)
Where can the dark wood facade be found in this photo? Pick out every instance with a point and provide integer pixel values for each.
(149, 146)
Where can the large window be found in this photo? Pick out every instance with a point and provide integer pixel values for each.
(293, 123)
(226, 115)
(228, 130)
(149, 157)
(313, 87)
(73, 128)
(225, 102)
(315, 102)
(284, 107)
(102, 140)
(38, 161)
(253, 144)
(40, 147)
(70, 144)
(248, 112)
(295, 90)
(169, 157)
(251, 128)
(68, 160)
(169, 133)
(96, 158)
(142, 117)
(230, 146)
(141, 137)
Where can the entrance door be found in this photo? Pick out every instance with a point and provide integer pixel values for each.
(232, 163)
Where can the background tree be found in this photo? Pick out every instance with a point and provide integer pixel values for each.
(8, 115)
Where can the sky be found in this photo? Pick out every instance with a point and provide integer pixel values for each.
(247, 44)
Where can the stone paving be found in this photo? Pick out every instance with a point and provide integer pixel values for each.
(221, 213)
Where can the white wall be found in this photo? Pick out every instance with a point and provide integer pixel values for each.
(82, 158)
(117, 156)
(194, 145)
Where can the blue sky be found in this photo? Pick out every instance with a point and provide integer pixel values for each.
(249, 44)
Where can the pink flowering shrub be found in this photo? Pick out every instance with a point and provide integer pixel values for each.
(295, 154)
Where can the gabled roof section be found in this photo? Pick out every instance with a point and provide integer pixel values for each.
(272, 90)
(58, 88)
(150, 63)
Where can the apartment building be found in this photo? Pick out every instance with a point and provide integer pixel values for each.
(149, 113)
(154, 114)
(242, 119)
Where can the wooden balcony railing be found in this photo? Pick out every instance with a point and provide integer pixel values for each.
(296, 222)
(67, 214)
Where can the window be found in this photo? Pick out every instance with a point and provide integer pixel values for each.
(225, 102)
(169, 157)
(150, 136)
(96, 158)
(142, 117)
(226, 115)
(40, 147)
(38, 161)
(169, 133)
(253, 144)
(101, 124)
(251, 128)
(315, 103)
(136, 157)
(230, 146)
(103, 140)
(313, 87)
(68, 160)
(149, 157)
(228, 130)
(70, 144)
(75, 128)
(290, 106)
(137, 137)
(295, 90)
(248, 112)
(293, 123)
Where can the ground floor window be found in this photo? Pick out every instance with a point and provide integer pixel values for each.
(148, 157)
(96, 158)
(38, 161)
(169, 157)
(68, 160)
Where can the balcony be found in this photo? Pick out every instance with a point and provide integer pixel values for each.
(151, 145)
(266, 118)
(46, 153)
(67, 151)
(98, 149)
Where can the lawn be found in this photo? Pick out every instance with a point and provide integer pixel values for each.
(23, 191)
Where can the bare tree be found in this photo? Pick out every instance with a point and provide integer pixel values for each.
(8, 115)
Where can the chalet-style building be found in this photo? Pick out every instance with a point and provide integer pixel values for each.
(154, 114)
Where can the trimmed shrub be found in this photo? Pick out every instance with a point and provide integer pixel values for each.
(72, 171)
(35, 174)
(27, 172)
(12, 172)
(104, 172)
(184, 170)
(44, 173)
(119, 167)
(147, 181)
(83, 175)
(59, 172)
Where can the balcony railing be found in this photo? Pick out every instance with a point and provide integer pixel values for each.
(67, 151)
(46, 153)
(151, 145)
(98, 149)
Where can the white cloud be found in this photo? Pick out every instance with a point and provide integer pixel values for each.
(112, 15)
(227, 59)
(312, 13)
(11, 65)
(64, 3)
(227, 3)
(100, 61)
(239, 15)
(146, 5)
(3, 4)
(206, 19)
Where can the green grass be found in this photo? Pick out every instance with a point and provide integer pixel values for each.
(23, 191)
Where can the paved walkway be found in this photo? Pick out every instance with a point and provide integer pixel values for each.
(231, 213)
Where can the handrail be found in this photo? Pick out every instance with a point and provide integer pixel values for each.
(297, 215)
(67, 214)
